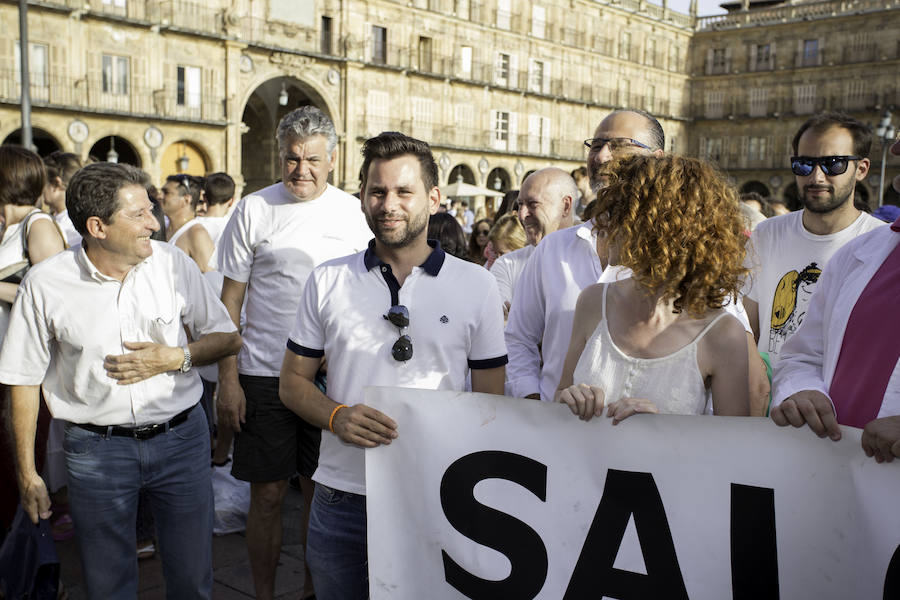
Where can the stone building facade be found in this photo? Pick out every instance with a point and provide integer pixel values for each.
(498, 87)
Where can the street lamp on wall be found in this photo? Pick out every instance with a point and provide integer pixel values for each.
(112, 156)
(885, 132)
(183, 160)
(283, 96)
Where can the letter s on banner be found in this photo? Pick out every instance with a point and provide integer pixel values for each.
(497, 530)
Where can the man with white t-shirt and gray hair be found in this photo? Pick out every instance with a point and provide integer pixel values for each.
(274, 240)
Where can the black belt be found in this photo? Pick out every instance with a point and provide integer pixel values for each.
(144, 432)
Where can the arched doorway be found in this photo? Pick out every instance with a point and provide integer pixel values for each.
(755, 186)
(498, 180)
(184, 157)
(113, 148)
(461, 170)
(43, 140)
(266, 106)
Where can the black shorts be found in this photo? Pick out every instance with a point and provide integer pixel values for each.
(274, 442)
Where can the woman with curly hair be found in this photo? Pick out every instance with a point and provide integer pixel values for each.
(659, 340)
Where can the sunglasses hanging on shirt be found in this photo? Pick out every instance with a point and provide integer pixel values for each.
(402, 349)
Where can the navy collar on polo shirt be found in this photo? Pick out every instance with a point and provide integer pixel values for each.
(432, 264)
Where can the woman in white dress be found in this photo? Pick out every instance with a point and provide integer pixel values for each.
(658, 341)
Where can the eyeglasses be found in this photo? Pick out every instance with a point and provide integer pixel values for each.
(831, 165)
(402, 349)
(615, 144)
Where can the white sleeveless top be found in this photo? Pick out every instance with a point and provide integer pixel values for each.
(183, 229)
(672, 382)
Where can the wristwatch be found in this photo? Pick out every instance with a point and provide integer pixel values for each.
(186, 365)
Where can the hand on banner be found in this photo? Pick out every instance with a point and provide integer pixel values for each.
(625, 407)
(585, 401)
(881, 439)
(811, 407)
(364, 426)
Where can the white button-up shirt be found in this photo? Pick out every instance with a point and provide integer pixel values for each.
(68, 317)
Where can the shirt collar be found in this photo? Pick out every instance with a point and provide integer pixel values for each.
(896, 225)
(94, 272)
(432, 264)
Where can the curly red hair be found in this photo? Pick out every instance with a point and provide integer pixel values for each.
(675, 223)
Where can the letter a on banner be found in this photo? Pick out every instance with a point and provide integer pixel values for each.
(489, 527)
(624, 494)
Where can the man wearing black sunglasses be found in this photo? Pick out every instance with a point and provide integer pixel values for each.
(789, 252)
(398, 314)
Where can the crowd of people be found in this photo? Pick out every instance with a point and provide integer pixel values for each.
(173, 331)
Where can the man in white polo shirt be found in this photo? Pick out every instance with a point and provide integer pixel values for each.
(273, 241)
(546, 204)
(102, 327)
(398, 314)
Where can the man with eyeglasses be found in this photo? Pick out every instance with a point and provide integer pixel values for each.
(564, 263)
(274, 239)
(842, 366)
(787, 253)
(398, 314)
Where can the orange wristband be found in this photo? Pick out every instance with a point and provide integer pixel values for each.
(331, 418)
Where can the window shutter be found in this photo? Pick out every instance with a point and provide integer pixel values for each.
(798, 60)
(709, 61)
(771, 56)
(547, 72)
(752, 62)
(513, 132)
(513, 72)
(821, 53)
(728, 60)
(545, 136)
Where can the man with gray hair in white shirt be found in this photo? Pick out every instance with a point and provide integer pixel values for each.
(102, 327)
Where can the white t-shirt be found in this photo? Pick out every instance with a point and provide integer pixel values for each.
(341, 316)
(785, 262)
(507, 269)
(273, 242)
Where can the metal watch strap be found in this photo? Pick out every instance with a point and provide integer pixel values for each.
(186, 364)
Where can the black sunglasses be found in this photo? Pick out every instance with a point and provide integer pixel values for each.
(831, 165)
(402, 349)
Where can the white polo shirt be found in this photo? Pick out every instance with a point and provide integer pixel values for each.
(455, 323)
(272, 243)
(543, 307)
(508, 268)
(68, 316)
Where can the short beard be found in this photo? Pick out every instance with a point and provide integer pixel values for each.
(414, 228)
(838, 199)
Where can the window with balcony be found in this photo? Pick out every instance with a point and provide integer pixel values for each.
(717, 61)
(379, 45)
(465, 62)
(502, 69)
(538, 135)
(325, 36)
(625, 93)
(538, 21)
(378, 104)
(188, 93)
(38, 65)
(504, 14)
(650, 99)
(758, 102)
(714, 104)
(856, 94)
(805, 99)
(757, 148)
(536, 76)
(115, 75)
(650, 59)
(114, 3)
(422, 117)
(425, 44)
(810, 56)
(711, 148)
(464, 133)
(862, 48)
(503, 130)
(761, 57)
(461, 8)
(625, 46)
(674, 57)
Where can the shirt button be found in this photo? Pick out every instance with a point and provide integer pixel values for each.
(384, 269)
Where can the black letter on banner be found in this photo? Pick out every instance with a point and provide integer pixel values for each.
(624, 494)
(492, 528)
(892, 578)
(754, 553)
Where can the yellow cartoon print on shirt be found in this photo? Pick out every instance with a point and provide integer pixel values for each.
(789, 303)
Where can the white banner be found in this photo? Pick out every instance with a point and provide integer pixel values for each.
(492, 498)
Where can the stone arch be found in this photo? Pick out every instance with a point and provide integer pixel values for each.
(198, 159)
(499, 180)
(44, 141)
(262, 110)
(462, 170)
(125, 151)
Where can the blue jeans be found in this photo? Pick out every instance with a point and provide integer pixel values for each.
(106, 475)
(336, 546)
